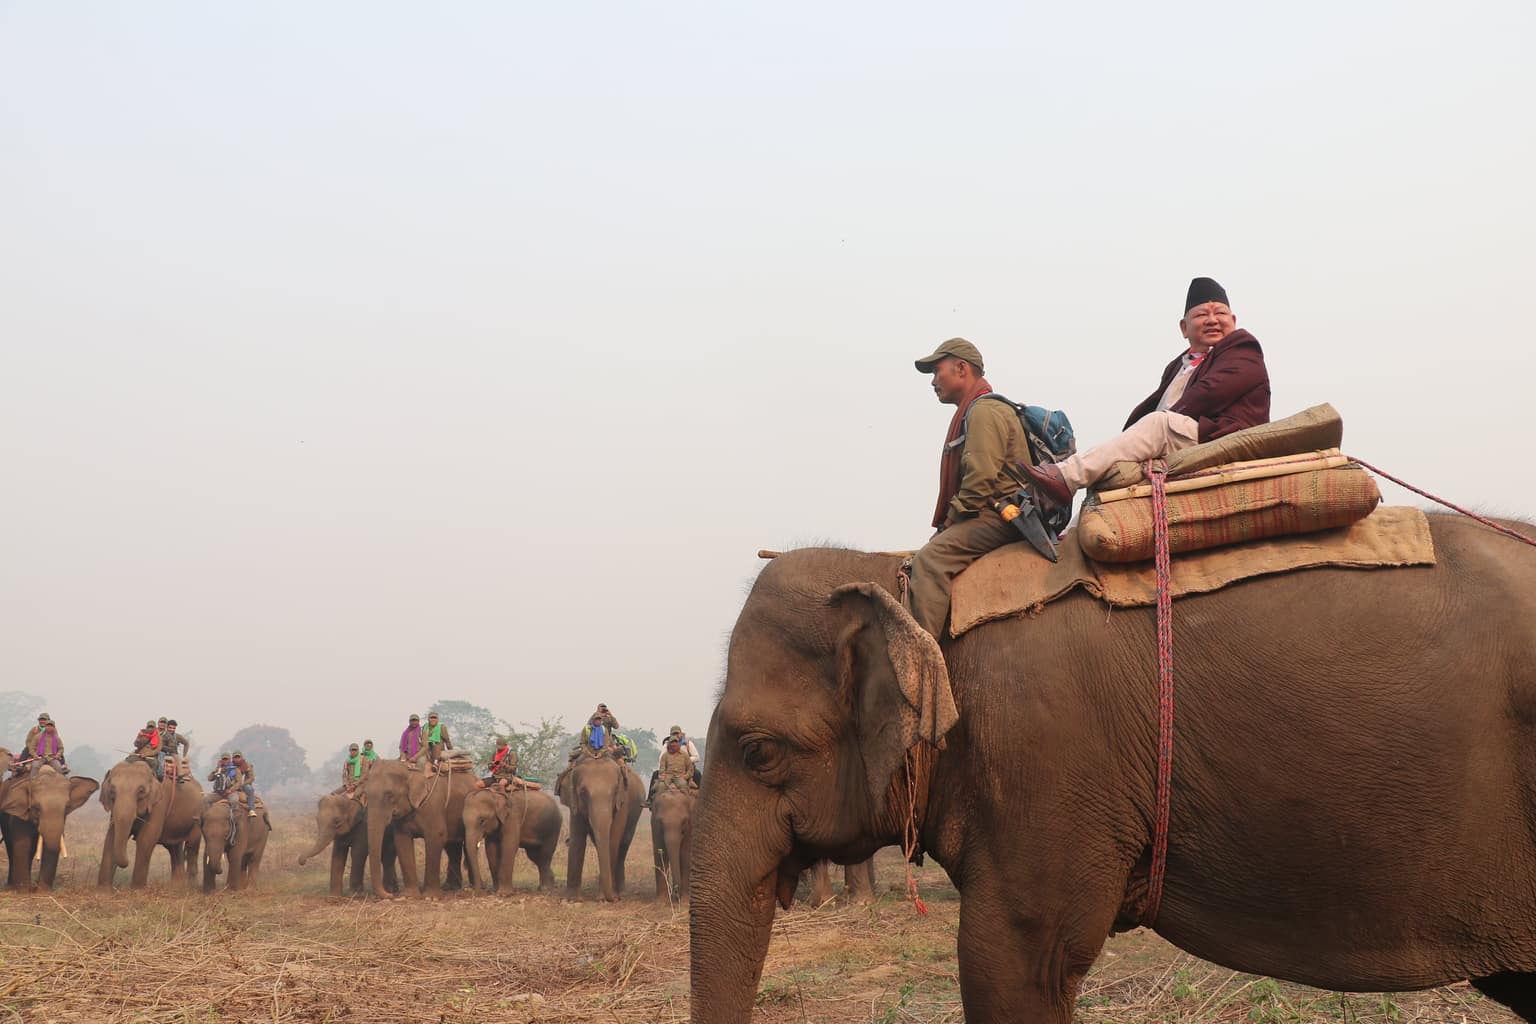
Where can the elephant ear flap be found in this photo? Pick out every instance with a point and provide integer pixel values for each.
(896, 679)
(18, 799)
(80, 790)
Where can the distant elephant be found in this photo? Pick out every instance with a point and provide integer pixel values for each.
(858, 882)
(32, 809)
(416, 803)
(672, 841)
(604, 796)
(230, 831)
(1353, 787)
(490, 815)
(342, 824)
(152, 813)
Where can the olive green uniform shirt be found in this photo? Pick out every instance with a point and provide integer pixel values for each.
(678, 767)
(993, 438)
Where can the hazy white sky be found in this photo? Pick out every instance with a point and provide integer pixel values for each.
(361, 354)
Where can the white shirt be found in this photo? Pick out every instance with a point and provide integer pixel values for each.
(1175, 389)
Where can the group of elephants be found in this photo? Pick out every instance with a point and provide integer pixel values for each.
(141, 808)
(447, 810)
(454, 817)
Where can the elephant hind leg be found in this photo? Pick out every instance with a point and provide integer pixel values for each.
(1514, 989)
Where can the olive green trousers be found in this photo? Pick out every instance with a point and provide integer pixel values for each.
(935, 567)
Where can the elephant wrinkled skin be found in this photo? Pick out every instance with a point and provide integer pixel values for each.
(230, 833)
(33, 810)
(421, 804)
(1354, 775)
(604, 796)
(490, 816)
(672, 841)
(152, 813)
(342, 824)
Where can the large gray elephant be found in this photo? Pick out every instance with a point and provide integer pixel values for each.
(413, 803)
(605, 797)
(1354, 775)
(490, 816)
(32, 810)
(152, 813)
(342, 824)
(231, 835)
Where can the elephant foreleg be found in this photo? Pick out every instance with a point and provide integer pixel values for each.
(576, 855)
(1013, 971)
(659, 857)
(23, 847)
(106, 868)
(859, 882)
(143, 852)
(433, 874)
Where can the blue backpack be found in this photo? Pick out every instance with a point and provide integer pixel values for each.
(1048, 430)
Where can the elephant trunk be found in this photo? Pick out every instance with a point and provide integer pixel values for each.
(213, 863)
(321, 843)
(124, 813)
(733, 885)
(50, 834)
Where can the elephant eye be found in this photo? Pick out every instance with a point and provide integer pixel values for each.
(761, 755)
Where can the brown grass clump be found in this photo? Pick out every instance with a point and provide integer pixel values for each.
(289, 953)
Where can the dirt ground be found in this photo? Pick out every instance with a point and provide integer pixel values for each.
(289, 953)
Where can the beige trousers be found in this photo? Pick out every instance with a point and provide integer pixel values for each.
(935, 567)
(1156, 435)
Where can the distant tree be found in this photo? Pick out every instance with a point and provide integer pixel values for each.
(541, 748)
(472, 728)
(272, 751)
(647, 746)
(18, 713)
(88, 761)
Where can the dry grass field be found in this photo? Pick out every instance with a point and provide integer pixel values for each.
(289, 953)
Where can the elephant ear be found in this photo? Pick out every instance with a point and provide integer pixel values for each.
(894, 679)
(80, 790)
(18, 799)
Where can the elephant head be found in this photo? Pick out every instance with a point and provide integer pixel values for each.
(41, 803)
(129, 793)
(217, 821)
(335, 815)
(829, 684)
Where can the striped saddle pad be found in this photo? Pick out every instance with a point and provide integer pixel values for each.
(1231, 504)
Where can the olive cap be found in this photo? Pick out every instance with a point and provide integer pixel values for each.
(957, 347)
(415, 718)
(238, 754)
(352, 747)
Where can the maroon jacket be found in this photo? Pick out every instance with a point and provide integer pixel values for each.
(1228, 391)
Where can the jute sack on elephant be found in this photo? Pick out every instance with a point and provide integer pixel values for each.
(1014, 580)
(1282, 504)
